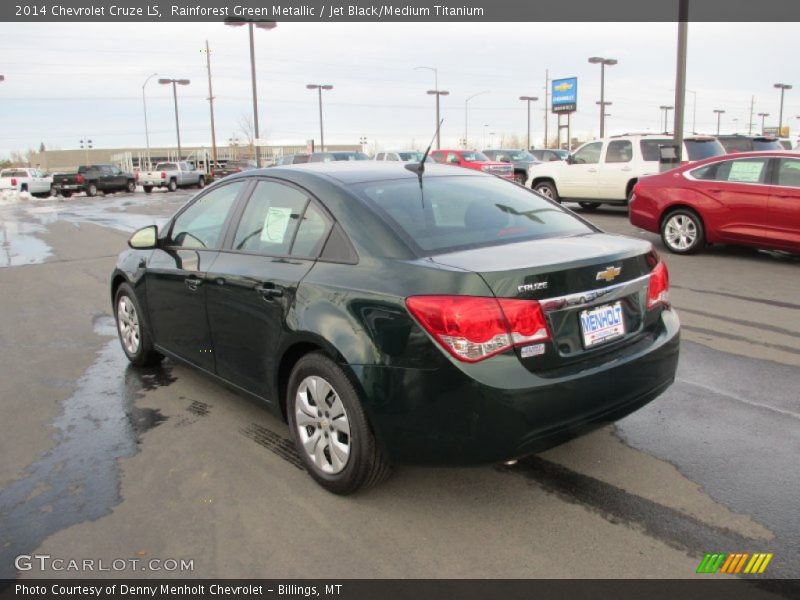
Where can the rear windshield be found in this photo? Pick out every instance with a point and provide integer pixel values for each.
(700, 149)
(759, 145)
(650, 148)
(737, 144)
(452, 213)
(474, 156)
(12, 173)
(166, 167)
(412, 156)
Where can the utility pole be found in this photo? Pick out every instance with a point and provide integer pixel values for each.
(211, 106)
(680, 78)
(546, 104)
(750, 122)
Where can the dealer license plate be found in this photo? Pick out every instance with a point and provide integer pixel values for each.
(602, 324)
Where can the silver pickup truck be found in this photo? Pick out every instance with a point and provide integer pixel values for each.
(171, 175)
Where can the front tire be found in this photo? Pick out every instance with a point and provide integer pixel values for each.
(54, 190)
(682, 232)
(148, 189)
(172, 186)
(132, 329)
(589, 206)
(548, 190)
(521, 177)
(201, 183)
(330, 429)
(131, 186)
(91, 190)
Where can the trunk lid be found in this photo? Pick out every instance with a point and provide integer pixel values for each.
(580, 281)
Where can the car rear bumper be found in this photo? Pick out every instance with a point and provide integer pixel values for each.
(152, 182)
(71, 187)
(445, 417)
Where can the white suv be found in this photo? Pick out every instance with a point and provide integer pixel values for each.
(605, 171)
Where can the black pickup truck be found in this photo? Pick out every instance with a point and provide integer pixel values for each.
(94, 178)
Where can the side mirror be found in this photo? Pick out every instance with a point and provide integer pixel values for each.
(570, 159)
(144, 239)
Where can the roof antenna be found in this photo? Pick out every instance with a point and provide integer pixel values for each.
(419, 168)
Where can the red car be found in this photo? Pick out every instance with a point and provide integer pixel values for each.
(472, 159)
(749, 199)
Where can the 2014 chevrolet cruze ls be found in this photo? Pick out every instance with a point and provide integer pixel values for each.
(393, 317)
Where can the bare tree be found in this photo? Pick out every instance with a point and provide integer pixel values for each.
(248, 130)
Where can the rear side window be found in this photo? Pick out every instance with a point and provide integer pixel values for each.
(789, 172)
(700, 149)
(311, 233)
(650, 149)
(619, 151)
(270, 219)
(452, 213)
(200, 225)
(746, 170)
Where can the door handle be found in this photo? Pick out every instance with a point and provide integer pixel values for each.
(715, 190)
(591, 170)
(627, 169)
(193, 283)
(268, 292)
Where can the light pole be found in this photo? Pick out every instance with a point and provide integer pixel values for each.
(602, 62)
(260, 25)
(666, 110)
(146, 131)
(735, 126)
(319, 88)
(485, 125)
(529, 99)
(763, 116)
(782, 87)
(694, 110)
(466, 117)
(436, 92)
(86, 145)
(175, 83)
(719, 115)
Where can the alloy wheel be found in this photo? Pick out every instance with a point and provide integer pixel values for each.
(322, 425)
(128, 322)
(680, 232)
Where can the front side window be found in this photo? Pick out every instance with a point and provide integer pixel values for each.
(619, 151)
(588, 154)
(270, 219)
(201, 224)
(789, 172)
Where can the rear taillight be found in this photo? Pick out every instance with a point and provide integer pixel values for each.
(137, 175)
(474, 328)
(14, 182)
(163, 174)
(658, 288)
(79, 179)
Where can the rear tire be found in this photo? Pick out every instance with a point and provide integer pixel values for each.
(521, 178)
(23, 188)
(91, 190)
(66, 193)
(131, 186)
(201, 183)
(548, 190)
(133, 329)
(682, 231)
(54, 191)
(330, 429)
(172, 186)
(148, 189)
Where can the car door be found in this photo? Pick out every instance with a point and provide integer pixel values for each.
(578, 177)
(783, 224)
(740, 194)
(176, 280)
(614, 172)
(254, 281)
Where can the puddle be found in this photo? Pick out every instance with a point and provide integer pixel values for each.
(78, 480)
(19, 244)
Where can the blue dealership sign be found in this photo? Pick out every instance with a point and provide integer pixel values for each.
(564, 94)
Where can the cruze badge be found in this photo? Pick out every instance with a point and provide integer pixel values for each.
(608, 274)
(532, 287)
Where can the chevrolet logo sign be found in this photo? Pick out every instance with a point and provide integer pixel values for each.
(608, 274)
(562, 87)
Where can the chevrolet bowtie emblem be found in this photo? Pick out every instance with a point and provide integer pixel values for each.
(608, 274)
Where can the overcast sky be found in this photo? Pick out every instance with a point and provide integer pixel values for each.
(66, 81)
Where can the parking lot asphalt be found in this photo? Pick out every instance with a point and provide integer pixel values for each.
(101, 460)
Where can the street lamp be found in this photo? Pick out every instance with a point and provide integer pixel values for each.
(485, 125)
(436, 92)
(763, 116)
(146, 132)
(666, 110)
(602, 62)
(466, 116)
(86, 145)
(175, 83)
(735, 125)
(260, 25)
(529, 99)
(719, 115)
(782, 87)
(319, 88)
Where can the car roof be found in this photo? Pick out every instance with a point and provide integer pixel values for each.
(360, 171)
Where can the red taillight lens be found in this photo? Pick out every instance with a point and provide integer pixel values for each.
(79, 179)
(474, 328)
(163, 174)
(658, 289)
(14, 182)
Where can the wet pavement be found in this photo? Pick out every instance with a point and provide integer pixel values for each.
(117, 460)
